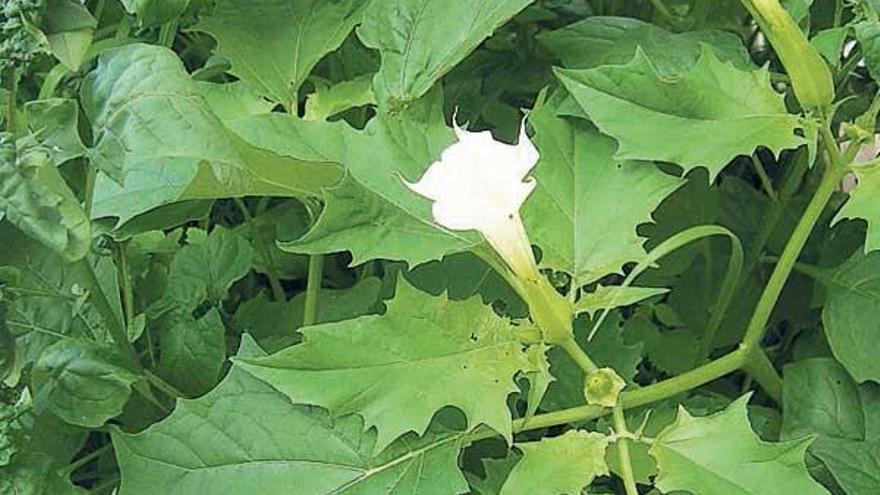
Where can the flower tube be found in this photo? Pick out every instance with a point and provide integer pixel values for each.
(481, 184)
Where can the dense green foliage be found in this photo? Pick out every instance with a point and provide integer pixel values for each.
(438, 247)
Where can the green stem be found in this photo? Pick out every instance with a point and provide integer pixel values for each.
(123, 29)
(91, 177)
(271, 273)
(99, 10)
(163, 386)
(10, 101)
(701, 12)
(662, 9)
(641, 396)
(53, 78)
(626, 470)
(167, 33)
(110, 484)
(128, 297)
(766, 183)
(85, 274)
(577, 354)
(817, 273)
(838, 12)
(313, 287)
(758, 365)
(124, 283)
(830, 179)
(82, 461)
(761, 369)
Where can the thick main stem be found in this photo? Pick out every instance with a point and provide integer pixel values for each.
(626, 470)
(832, 175)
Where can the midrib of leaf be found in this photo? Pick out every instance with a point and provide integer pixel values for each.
(569, 216)
(297, 47)
(686, 118)
(403, 362)
(365, 474)
(407, 49)
(381, 468)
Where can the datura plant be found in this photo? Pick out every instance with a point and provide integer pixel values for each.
(439, 247)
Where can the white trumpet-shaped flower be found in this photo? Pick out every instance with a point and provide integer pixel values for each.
(480, 184)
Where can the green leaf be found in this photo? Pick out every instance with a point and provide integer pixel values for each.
(216, 263)
(193, 352)
(231, 101)
(69, 28)
(672, 351)
(829, 42)
(157, 141)
(612, 296)
(852, 301)
(439, 351)
(36, 199)
(654, 418)
(371, 213)
(328, 101)
(274, 44)
(36, 474)
(274, 323)
(214, 444)
(580, 184)
(82, 382)
(154, 12)
(600, 40)
(559, 465)
(863, 203)
(7, 346)
(868, 35)
(417, 50)
(820, 397)
(463, 275)
(720, 454)
(39, 321)
(854, 464)
(54, 124)
(729, 111)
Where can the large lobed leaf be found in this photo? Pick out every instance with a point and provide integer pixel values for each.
(274, 44)
(245, 434)
(600, 40)
(721, 455)
(564, 464)
(419, 45)
(398, 369)
(863, 203)
(728, 111)
(158, 142)
(372, 212)
(580, 185)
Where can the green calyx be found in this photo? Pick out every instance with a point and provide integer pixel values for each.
(602, 387)
(810, 76)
